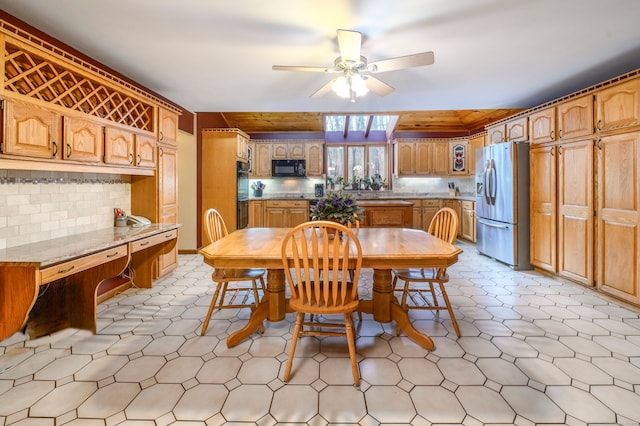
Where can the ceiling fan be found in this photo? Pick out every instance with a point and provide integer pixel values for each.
(354, 70)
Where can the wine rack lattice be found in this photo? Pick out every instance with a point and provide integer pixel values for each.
(42, 79)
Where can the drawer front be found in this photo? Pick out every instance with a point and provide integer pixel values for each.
(71, 267)
(468, 205)
(145, 243)
(431, 203)
(286, 204)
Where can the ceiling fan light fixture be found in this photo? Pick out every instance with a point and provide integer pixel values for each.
(350, 86)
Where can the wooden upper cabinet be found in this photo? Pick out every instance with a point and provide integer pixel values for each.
(517, 130)
(288, 150)
(261, 161)
(118, 146)
(475, 142)
(405, 158)
(458, 158)
(167, 126)
(423, 158)
(242, 148)
(83, 140)
(314, 155)
(496, 134)
(618, 106)
(145, 151)
(542, 126)
(31, 131)
(575, 118)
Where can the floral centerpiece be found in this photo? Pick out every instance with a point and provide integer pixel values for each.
(338, 207)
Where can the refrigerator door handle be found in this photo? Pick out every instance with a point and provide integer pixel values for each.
(492, 225)
(485, 184)
(494, 186)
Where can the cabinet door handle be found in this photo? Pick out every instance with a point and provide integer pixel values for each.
(112, 254)
(161, 135)
(68, 150)
(599, 143)
(146, 243)
(55, 148)
(560, 150)
(552, 135)
(552, 151)
(139, 159)
(130, 158)
(161, 152)
(559, 133)
(599, 125)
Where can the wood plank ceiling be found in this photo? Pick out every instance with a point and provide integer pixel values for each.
(423, 123)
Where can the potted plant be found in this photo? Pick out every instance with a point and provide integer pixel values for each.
(338, 207)
(258, 187)
(377, 183)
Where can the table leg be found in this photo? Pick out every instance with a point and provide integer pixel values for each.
(272, 307)
(385, 308)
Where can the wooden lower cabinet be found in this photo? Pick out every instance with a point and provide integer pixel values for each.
(618, 193)
(387, 214)
(468, 221)
(456, 205)
(575, 211)
(256, 214)
(168, 200)
(542, 199)
(561, 215)
(285, 213)
(429, 210)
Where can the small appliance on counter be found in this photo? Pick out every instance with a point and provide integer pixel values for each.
(319, 190)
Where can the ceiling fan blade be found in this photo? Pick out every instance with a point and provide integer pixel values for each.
(401, 62)
(323, 90)
(349, 43)
(378, 87)
(302, 68)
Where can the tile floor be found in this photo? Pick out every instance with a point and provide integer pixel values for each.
(533, 350)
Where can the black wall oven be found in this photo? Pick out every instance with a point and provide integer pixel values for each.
(242, 199)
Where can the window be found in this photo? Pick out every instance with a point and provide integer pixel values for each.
(362, 162)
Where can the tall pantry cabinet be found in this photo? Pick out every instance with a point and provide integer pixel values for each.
(156, 197)
(618, 190)
(585, 188)
(561, 190)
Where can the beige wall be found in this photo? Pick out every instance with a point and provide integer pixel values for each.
(187, 191)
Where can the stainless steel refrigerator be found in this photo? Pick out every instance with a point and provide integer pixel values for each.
(502, 203)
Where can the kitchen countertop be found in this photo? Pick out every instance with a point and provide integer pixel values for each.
(56, 250)
(370, 195)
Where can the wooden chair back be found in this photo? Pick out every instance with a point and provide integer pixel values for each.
(444, 225)
(309, 252)
(355, 223)
(214, 225)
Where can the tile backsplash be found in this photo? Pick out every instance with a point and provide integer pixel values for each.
(38, 206)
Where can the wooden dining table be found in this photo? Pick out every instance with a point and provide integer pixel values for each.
(383, 249)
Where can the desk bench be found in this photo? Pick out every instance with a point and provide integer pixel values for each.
(51, 285)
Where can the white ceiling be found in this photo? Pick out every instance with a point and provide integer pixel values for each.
(209, 55)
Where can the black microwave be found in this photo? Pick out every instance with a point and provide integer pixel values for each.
(288, 168)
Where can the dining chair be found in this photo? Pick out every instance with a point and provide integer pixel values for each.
(444, 225)
(216, 229)
(309, 252)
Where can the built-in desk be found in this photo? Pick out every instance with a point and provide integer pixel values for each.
(51, 285)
